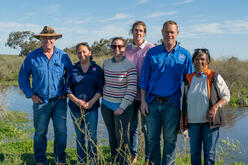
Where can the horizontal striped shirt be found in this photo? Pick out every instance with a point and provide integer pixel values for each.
(120, 82)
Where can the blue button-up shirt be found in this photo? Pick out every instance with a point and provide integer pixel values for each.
(163, 72)
(47, 75)
(84, 86)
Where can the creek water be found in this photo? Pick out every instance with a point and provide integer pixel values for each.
(236, 127)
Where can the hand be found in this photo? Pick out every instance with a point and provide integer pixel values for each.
(212, 112)
(144, 108)
(118, 111)
(62, 97)
(88, 105)
(185, 134)
(81, 103)
(36, 99)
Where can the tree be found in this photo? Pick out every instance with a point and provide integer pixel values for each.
(129, 41)
(70, 51)
(23, 41)
(99, 48)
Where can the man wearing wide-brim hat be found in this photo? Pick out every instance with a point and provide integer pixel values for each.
(48, 66)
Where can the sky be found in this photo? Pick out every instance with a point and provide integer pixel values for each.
(218, 25)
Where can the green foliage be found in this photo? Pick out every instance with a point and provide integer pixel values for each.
(13, 125)
(20, 150)
(235, 75)
(18, 147)
(239, 163)
(9, 67)
(228, 148)
(233, 71)
(23, 41)
(99, 48)
(70, 51)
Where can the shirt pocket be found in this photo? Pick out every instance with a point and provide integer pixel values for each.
(38, 68)
(156, 64)
(58, 68)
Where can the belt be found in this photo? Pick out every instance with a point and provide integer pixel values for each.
(56, 98)
(161, 98)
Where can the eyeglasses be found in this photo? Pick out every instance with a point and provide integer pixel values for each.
(115, 46)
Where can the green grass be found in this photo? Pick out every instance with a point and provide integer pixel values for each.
(16, 145)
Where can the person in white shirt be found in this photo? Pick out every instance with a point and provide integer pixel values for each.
(205, 93)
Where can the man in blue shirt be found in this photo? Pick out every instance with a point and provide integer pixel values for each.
(47, 66)
(162, 74)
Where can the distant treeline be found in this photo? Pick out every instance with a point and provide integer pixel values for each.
(234, 72)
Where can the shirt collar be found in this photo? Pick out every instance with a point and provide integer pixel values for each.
(55, 50)
(113, 59)
(141, 46)
(91, 63)
(173, 50)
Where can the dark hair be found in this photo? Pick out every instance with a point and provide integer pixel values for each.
(86, 45)
(138, 23)
(201, 51)
(171, 22)
(83, 44)
(118, 38)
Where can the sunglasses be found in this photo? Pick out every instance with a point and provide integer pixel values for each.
(202, 50)
(115, 46)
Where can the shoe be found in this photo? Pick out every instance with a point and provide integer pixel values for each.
(146, 162)
(134, 160)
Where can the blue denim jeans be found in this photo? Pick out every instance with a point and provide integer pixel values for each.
(42, 112)
(85, 122)
(163, 115)
(117, 127)
(134, 128)
(201, 134)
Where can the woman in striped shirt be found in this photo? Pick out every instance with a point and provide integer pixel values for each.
(118, 94)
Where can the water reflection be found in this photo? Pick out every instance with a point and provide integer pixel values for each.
(232, 116)
(14, 99)
(236, 121)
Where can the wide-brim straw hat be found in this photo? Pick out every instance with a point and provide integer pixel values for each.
(48, 32)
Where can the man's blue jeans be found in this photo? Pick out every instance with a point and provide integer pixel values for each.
(199, 134)
(42, 112)
(85, 122)
(163, 115)
(134, 128)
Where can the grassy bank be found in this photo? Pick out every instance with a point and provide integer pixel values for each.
(233, 71)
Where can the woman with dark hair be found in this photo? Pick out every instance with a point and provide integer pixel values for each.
(118, 94)
(205, 93)
(136, 53)
(84, 88)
